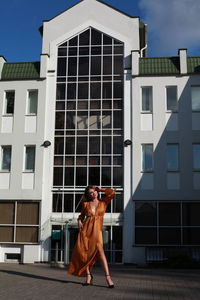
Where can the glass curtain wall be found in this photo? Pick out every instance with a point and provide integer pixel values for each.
(89, 117)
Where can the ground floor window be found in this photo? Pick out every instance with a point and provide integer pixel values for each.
(19, 222)
(112, 238)
(167, 223)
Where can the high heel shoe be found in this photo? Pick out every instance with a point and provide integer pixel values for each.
(91, 281)
(110, 286)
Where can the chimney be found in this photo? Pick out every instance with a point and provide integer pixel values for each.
(2, 61)
(135, 62)
(183, 60)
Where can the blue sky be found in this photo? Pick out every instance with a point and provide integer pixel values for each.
(172, 24)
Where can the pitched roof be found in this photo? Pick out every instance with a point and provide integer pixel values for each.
(21, 70)
(167, 65)
(193, 64)
(159, 65)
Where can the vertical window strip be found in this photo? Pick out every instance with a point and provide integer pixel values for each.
(172, 157)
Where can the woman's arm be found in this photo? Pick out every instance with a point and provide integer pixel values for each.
(109, 194)
(81, 217)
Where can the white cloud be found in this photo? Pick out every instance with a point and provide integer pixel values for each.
(172, 24)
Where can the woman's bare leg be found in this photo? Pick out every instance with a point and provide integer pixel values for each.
(104, 264)
(88, 275)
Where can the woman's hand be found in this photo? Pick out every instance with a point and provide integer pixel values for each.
(98, 189)
(80, 225)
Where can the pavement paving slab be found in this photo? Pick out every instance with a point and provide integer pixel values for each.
(43, 282)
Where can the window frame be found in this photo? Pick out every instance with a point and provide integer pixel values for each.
(5, 105)
(193, 158)
(143, 155)
(166, 97)
(28, 113)
(15, 225)
(195, 110)
(178, 157)
(2, 158)
(150, 111)
(32, 170)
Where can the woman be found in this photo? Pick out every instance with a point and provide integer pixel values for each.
(89, 244)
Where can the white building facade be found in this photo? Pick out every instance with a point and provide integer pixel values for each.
(96, 111)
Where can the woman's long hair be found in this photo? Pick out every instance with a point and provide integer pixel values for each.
(86, 196)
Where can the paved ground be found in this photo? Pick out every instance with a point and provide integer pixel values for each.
(40, 281)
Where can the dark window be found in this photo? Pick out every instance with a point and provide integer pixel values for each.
(191, 236)
(94, 160)
(68, 202)
(83, 51)
(62, 51)
(72, 51)
(94, 145)
(71, 105)
(118, 50)
(70, 120)
(95, 104)
(72, 66)
(117, 145)
(60, 92)
(83, 90)
(107, 40)
(94, 175)
(170, 236)
(78, 204)
(96, 37)
(73, 41)
(95, 90)
(117, 119)
(169, 214)
(118, 65)
(81, 176)
(71, 91)
(58, 176)
(82, 105)
(117, 176)
(107, 90)
(59, 145)
(118, 90)
(107, 65)
(61, 68)
(96, 65)
(84, 38)
(83, 65)
(107, 50)
(60, 118)
(191, 214)
(106, 176)
(81, 145)
(106, 145)
(145, 236)
(82, 119)
(81, 160)
(69, 176)
(118, 203)
(95, 50)
(145, 214)
(57, 202)
(70, 145)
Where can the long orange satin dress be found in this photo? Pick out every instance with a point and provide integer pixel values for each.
(90, 237)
